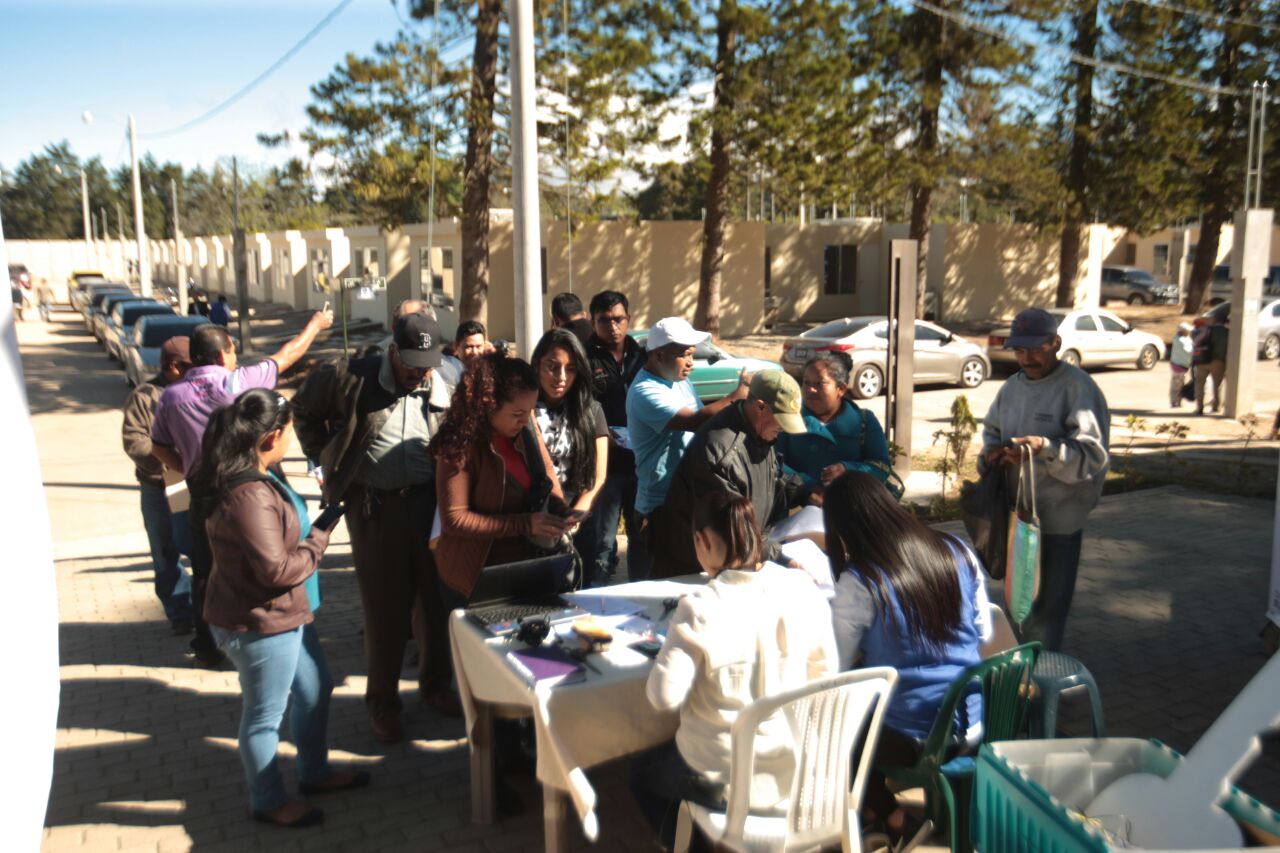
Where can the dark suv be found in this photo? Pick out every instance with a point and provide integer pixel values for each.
(1136, 286)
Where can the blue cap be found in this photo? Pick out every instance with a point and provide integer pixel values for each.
(1033, 327)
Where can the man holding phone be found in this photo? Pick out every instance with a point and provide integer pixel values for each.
(215, 379)
(368, 421)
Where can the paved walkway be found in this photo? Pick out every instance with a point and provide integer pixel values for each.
(1166, 615)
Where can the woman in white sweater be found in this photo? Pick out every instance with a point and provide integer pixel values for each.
(754, 630)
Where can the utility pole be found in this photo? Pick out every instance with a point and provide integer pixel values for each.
(241, 253)
(106, 233)
(120, 223)
(179, 256)
(524, 178)
(84, 206)
(140, 231)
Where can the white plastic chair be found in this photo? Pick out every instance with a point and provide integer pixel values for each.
(827, 717)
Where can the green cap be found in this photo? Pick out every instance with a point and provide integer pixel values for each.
(779, 392)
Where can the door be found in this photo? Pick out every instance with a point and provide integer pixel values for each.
(933, 364)
(1085, 339)
(1120, 345)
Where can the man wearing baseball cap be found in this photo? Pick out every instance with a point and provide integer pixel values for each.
(663, 411)
(172, 585)
(732, 452)
(1057, 413)
(368, 421)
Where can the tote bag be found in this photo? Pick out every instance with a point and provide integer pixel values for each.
(1022, 572)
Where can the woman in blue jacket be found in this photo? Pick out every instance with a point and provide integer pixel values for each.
(841, 436)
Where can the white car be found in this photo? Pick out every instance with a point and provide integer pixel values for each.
(1091, 337)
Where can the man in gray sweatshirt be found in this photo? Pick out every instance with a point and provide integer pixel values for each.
(1056, 411)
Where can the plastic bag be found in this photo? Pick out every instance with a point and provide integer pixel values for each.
(986, 505)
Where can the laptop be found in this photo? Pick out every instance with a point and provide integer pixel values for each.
(508, 592)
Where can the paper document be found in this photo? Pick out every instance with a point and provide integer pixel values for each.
(175, 491)
(805, 524)
(604, 605)
(813, 561)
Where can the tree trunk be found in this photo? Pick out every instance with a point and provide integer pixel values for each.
(707, 316)
(1220, 180)
(926, 151)
(1084, 44)
(478, 165)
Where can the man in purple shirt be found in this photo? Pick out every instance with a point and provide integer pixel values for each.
(185, 408)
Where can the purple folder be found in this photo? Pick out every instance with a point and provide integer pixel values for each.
(543, 662)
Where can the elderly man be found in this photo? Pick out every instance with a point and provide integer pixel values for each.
(172, 586)
(663, 411)
(369, 421)
(733, 453)
(1056, 412)
(215, 379)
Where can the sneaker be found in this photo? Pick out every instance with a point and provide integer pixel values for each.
(207, 658)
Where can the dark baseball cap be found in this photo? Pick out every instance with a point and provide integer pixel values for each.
(418, 340)
(176, 350)
(1033, 327)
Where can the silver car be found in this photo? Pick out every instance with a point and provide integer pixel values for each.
(1268, 325)
(940, 356)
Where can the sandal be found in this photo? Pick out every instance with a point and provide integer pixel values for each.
(352, 779)
(311, 817)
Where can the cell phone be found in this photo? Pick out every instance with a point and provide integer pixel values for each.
(327, 519)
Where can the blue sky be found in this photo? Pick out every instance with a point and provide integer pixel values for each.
(167, 61)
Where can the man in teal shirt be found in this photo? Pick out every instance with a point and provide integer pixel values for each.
(663, 411)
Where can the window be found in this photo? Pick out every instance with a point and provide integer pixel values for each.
(839, 270)
(1160, 258)
(1085, 323)
(837, 329)
(428, 279)
(768, 270)
(365, 261)
(1131, 253)
(1111, 324)
(706, 351)
(446, 259)
(319, 270)
(928, 333)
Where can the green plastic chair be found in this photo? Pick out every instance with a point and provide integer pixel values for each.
(1006, 696)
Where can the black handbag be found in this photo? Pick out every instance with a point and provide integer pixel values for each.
(986, 505)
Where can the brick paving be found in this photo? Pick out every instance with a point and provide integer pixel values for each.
(1166, 614)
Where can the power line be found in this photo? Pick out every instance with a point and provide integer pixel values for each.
(1078, 58)
(253, 84)
(1207, 16)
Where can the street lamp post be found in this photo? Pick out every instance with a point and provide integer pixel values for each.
(140, 231)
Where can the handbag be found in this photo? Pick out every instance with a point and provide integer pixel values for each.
(1022, 572)
(892, 481)
(986, 505)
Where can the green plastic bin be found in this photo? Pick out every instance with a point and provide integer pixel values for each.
(1024, 792)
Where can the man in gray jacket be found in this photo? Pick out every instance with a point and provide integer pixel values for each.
(1057, 412)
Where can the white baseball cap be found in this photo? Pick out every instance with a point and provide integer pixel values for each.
(674, 330)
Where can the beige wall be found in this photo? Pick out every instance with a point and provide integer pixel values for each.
(798, 269)
(994, 271)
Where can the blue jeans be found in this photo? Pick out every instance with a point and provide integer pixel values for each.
(273, 668)
(617, 498)
(660, 780)
(172, 585)
(1059, 565)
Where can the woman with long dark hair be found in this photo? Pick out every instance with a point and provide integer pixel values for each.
(495, 482)
(265, 549)
(908, 597)
(573, 427)
(755, 630)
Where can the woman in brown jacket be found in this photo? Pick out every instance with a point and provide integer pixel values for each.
(265, 549)
(492, 480)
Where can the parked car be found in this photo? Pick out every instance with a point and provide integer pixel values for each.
(715, 371)
(1090, 338)
(119, 324)
(1220, 284)
(99, 319)
(940, 356)
(1268, 325)
(1137, 287)
(93, 296)
(141, 355)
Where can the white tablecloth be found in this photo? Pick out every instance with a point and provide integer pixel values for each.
(578, 725)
